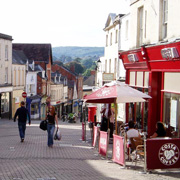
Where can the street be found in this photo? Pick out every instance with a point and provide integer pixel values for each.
(70, 158)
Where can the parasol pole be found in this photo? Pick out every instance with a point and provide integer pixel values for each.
(115, 105)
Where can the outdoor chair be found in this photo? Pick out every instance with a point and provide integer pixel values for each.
(137, 146)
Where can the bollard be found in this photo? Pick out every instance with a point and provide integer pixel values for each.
(83, 131)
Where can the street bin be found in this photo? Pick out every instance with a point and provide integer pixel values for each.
(91, 113)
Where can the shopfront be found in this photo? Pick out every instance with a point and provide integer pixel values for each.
(155, 70)
(5, 102)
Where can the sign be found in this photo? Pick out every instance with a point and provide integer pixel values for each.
(108, 76)
(165, 153)
(95, 134)
(24, 94)
(118, 150)
(103, 143)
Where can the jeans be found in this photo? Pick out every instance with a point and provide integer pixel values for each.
(50, 131)
(22, 128)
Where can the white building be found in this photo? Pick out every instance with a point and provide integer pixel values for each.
(5, 77)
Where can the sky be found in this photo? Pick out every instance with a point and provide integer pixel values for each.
(59, 22)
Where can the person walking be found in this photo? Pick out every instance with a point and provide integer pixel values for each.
(22, 114)
(51, 116)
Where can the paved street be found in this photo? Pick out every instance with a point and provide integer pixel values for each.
(69, 159)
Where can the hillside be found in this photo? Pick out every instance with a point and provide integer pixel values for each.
(74, 52)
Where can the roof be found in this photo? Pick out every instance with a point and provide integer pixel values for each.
(7, 37)
(90, 81)
(36, 52)
(18, 57)
(112, 17)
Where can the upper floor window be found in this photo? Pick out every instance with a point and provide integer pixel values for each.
(111, 39)
(109, 65)
(6, 75)
(165, 18)
(116, 37)
(140, 27)
(0, 51)
(106, 40)
(6, 52)
(127, 29)
(106, 66)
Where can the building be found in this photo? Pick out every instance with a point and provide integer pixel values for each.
(75, 87)
(153, 64)
(6, 77)
(19, 68)
(39, 54)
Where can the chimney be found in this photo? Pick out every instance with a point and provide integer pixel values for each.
(72, 68)
(93, 72)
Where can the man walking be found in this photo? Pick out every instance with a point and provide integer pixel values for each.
(22, 114)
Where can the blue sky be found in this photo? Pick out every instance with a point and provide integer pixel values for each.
(59, 22)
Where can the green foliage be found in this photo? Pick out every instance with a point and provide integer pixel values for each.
(74, 51)
(79, 69)
(87, 72)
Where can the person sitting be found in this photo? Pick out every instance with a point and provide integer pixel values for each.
(160, 130)
(132, 132)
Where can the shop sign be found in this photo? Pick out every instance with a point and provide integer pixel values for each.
(103, 143)
(133, 58)
(118, 150)
(108, 76)
(169, 53)
(164, 154)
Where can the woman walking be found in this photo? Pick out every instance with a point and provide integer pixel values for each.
(51, 117)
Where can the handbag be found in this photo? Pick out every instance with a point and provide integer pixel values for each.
(43, 125)
(57, 135)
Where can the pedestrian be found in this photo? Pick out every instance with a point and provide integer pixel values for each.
(51, 116)
(23, 115)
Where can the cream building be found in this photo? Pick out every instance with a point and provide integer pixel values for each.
(153, 21)
(5, 77)
(18, 78)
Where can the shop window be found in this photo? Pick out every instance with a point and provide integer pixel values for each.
(132, 78)
(171, 114)
(4, 102)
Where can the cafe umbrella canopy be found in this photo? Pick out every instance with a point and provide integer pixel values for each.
(116, 92)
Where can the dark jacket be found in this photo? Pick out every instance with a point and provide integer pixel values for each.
(22, 114)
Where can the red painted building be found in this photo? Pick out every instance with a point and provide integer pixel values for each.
(155, 70)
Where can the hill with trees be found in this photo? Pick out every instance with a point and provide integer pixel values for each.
(82, 58)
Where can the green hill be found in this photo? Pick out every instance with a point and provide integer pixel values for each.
(74, 52)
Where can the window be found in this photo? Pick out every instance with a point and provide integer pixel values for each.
(106, 66)
(110, 66)
(5, 102)
(111, 39)
(115, 66)
(14, 77)
(6, 53)
(140, 27)
(6, 75)
(127, 27)
(0, 52)
(171, 113)
(116, 37)
(165, 19)
(106, 40)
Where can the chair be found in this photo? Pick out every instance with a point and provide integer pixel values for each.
(137, 145)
